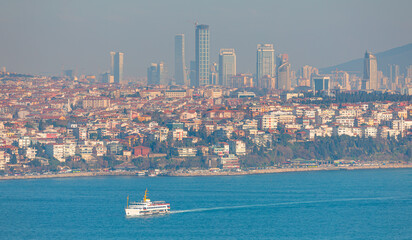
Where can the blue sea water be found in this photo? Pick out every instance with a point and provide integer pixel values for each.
(362, 204)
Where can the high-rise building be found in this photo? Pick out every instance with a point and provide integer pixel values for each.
(112, 62)
(162, 73)
(265, 62)
(192, 73)
(116, 66)
(107, 78)
(393, 72)
(70, 73)
(283, 72)
(409, 71)
(307, 71)
(341, 78)
(370, 72)
(267, 82)
(241, 81)
(152, 74)
(157, 74)
(202, 48)
(227, 66)
(214, 74)
(180, 65)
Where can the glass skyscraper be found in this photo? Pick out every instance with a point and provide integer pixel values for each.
(202, 48)
(157, 74)
(152, 77)
(180, 66)
(227, 66)
(370, 72)
(112, 62)
(283, 72)
(117, 66)
(265, 62)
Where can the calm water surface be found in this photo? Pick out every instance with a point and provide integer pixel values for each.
(364, 204)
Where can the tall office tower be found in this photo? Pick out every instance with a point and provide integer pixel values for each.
(180, 65)
(307, 71)
(117, 66)
(345, 81)
(214, 74)
(393, 70)
(192, 73)
(152, 74)
(380, 80)
(227, 66)
(112, 62)
(202, 48)
(157, 74)
(265, 62)
(370, 72)
(284, 80)
(70, 73)
(283, 72)
(162, 73)
(293, 79)
(408, 71)
(281, 59)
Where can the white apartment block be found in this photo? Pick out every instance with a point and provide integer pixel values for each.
(179, 134)
(237, 147)
(369, 132)
(345, 121)
(60, 151)
(24, 142)
(267, 121)
(31, 153)
(187, 152)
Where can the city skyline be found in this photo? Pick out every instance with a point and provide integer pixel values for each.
(70, 44)
(236, 116)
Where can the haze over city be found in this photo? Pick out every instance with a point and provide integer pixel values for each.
(44, 37)
(213, 119)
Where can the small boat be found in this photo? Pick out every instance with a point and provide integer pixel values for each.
(141, 174)
(146, 207)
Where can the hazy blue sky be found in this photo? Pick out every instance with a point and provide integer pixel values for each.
(44, 36)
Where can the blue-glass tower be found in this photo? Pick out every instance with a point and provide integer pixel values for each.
(202, 48)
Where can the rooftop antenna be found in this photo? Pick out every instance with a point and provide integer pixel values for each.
(196, 23)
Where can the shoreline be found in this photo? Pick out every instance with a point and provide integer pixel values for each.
(207, 173)
(288, 170)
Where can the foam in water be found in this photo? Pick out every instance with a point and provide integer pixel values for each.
(280, 204)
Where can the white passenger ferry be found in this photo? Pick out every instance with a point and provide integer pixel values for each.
(146, 207)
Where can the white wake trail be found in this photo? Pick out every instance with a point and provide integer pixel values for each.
(280, 204)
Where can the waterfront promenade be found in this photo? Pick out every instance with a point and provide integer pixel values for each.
(194, 173)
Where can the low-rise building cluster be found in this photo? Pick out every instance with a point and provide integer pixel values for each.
(43, 119)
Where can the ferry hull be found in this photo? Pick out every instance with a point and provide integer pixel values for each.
(138, 212)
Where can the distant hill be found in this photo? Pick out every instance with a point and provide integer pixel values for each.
(401, 56)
